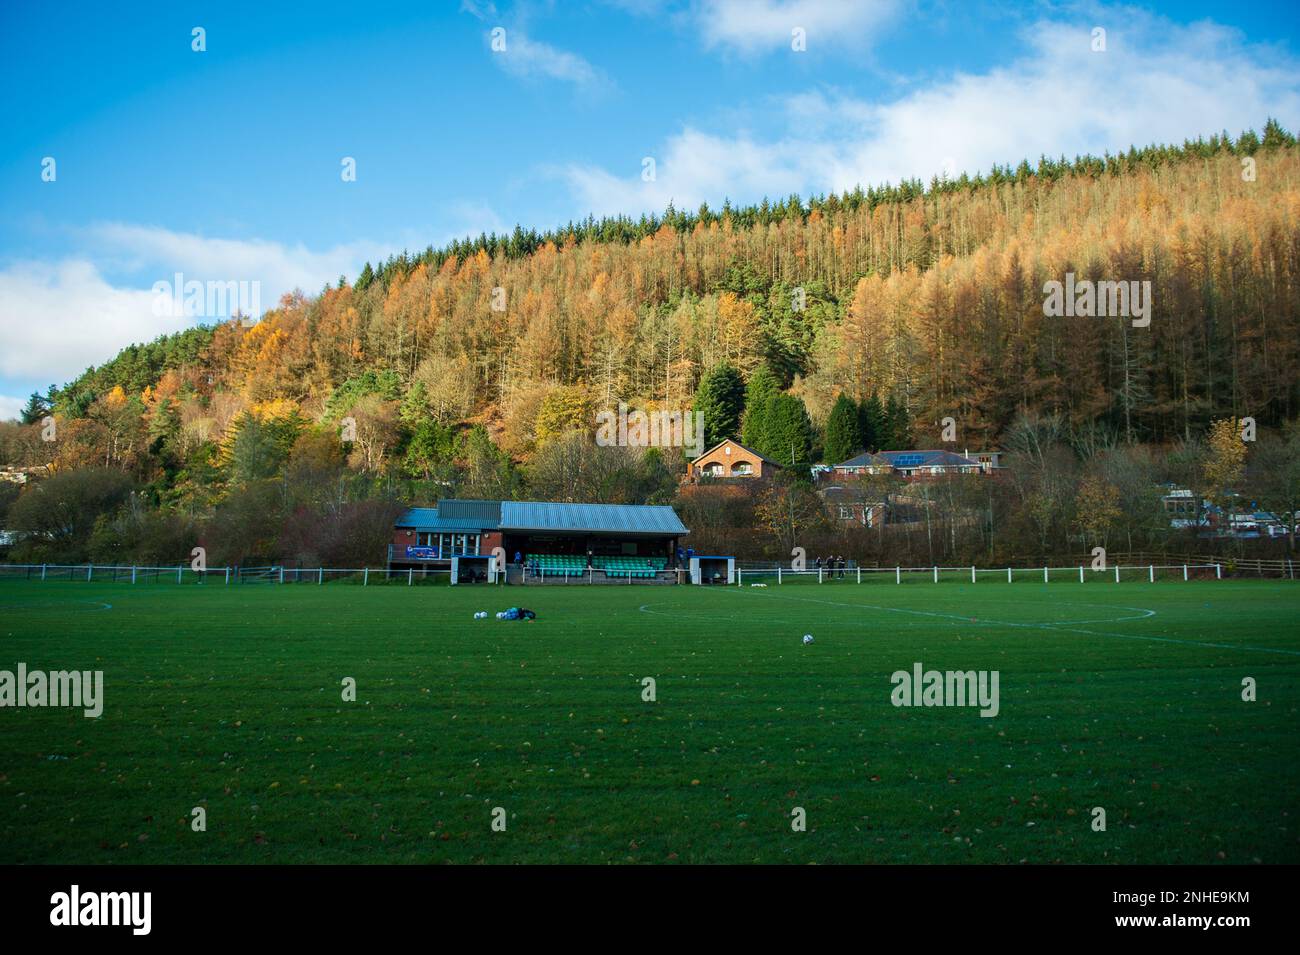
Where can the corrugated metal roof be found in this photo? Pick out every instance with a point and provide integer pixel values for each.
(470, 516)
(486, 514)
(417, 515)
(428, 519)
(591, 518)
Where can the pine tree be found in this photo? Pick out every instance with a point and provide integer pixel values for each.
(36, 409)
(1276, 136)
(898, 426)
(843, 431)
(433, 448)
(871, 423)
(720, 401)
(788, 431)
(760, 391)
(366, 277)
(164, 427)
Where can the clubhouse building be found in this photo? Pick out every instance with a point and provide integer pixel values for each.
(541, 538)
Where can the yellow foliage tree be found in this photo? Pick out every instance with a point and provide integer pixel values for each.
(1097, 510)
(565, 409)
(1225, 460)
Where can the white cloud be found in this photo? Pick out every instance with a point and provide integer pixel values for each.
(520, 55)
(58, 318)
(482, 11)
(11, 408)
(468, 218)
(528, 58)
(1157, 82)
(751, 26)
(159, 253)
(697, 167)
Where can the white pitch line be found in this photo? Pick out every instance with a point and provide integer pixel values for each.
(1045, 626)
(96, 606)
(1143, 614)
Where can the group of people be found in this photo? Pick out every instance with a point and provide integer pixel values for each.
(832, 564)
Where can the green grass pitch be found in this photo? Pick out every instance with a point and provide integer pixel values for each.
(1122, 696)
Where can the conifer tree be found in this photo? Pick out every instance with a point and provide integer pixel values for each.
(843, 431)
(871, 423)
(760, 391)
(719, 401)
(788, 436)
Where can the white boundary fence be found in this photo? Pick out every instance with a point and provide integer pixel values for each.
(752, 575)
(1083, 573)
(1232, 566)
(225, 576)
(277, 574)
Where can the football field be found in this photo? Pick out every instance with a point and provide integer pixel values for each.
(655, 724)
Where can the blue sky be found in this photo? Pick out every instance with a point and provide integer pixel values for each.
(225, 164)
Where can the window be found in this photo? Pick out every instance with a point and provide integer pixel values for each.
(742, 468)
(460, 543)
(846, 512)
(457, 544)
(713, 470)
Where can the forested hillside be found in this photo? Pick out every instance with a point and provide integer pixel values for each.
(469, 369)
